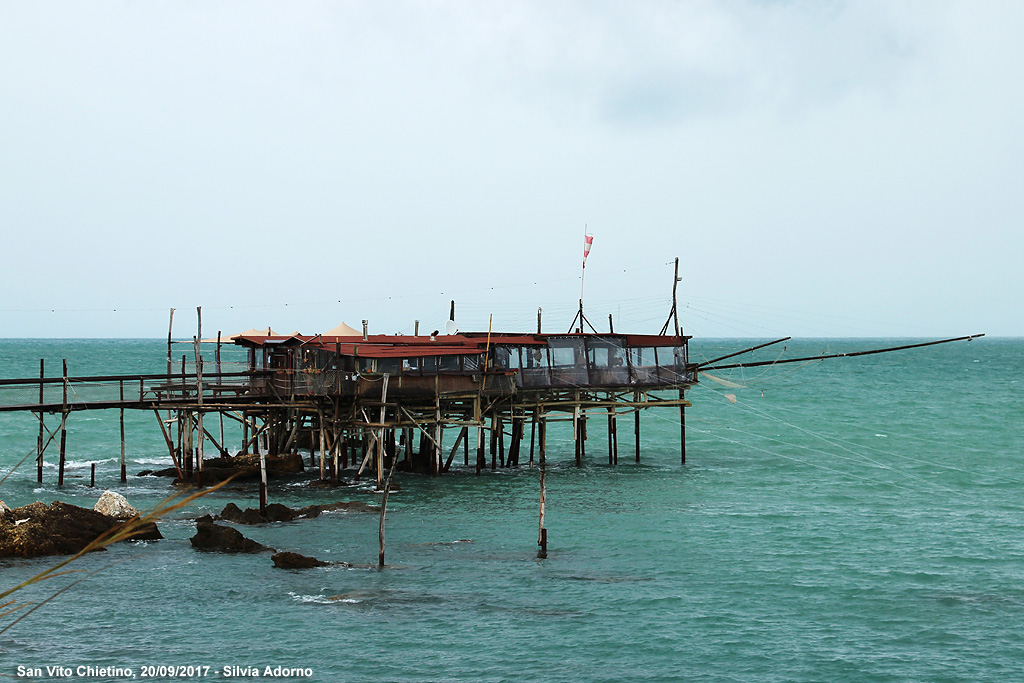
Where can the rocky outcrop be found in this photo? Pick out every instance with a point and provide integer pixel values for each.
(224, 539)
(243, 467)
(287, 560)
(275, 512)
(37, 529)
(3, 507)
(115, 505)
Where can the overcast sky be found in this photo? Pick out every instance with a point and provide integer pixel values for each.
(820, 168)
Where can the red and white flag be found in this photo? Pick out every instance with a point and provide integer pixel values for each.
(588, 240)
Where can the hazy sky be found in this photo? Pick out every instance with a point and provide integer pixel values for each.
(821, 168)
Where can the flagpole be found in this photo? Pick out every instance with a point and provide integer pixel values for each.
(583, 268)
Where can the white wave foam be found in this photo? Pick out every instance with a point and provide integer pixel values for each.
(317, 599)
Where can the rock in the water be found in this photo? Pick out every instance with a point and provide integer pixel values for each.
(275, 512)
(243, 467)
(57, 529)
(288, 560)
(115, 505)
(224, 539)
(350, 506)
(3, 507)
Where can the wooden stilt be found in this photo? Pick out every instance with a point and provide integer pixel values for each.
(542, 536)
(494, 440)
(501, 442)
(407, 436)
(245, 433)
(577, 441)
(42, 427)
(514, 441)
(435, 462)
(463, 434)
(682, 429)
(583, 433)
(323, 447)
(124, 470)
(636, 427)
(478, 419)
(611, 438)
(615, 438)
(383, 512)
(533, 433)
(170, 443)
(336, 445)
(263, 480)
(542, 439)
(200, 432)
(63, 426)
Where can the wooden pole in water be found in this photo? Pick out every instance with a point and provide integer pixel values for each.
(583, 432)
(515, 440)
(92, 478)
(533, 434)
(323, 447)
(63, 426)
(611, 436)
(494, 440)
(245, 433)
(463, 435)
(538, 321)
(436, 466)
(220, 413)
(383, 511)
(184, 417)
(39, 442)
(170, 326)
(577, 440)
(124, 470)
(542, 536)
(200, 434)
(682, 428)
(263, 479)
(501, 442)
(542, 438)
(336, 444)
(636, 426)
(170, 442)
(478, 418)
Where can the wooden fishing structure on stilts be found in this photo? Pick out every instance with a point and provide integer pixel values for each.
(376, 404)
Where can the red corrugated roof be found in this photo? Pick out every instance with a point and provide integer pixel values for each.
(397, 346)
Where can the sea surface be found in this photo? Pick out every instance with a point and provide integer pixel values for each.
(849, 520)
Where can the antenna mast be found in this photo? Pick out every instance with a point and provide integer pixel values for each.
(674, 313)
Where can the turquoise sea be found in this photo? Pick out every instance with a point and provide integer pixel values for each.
(851, 520)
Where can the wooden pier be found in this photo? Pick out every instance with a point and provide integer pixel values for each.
(370, 402)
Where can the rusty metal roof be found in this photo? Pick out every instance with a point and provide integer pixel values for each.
(398, 346)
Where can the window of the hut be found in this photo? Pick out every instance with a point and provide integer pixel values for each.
(367, 364)
(471, 363)
(410, 366)
(448, 364)
(428, 365)
(643, 365)
(535, 371)
(669, 362)
(390, 366)
(503, 358)
(607, 360)
(568, 361)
